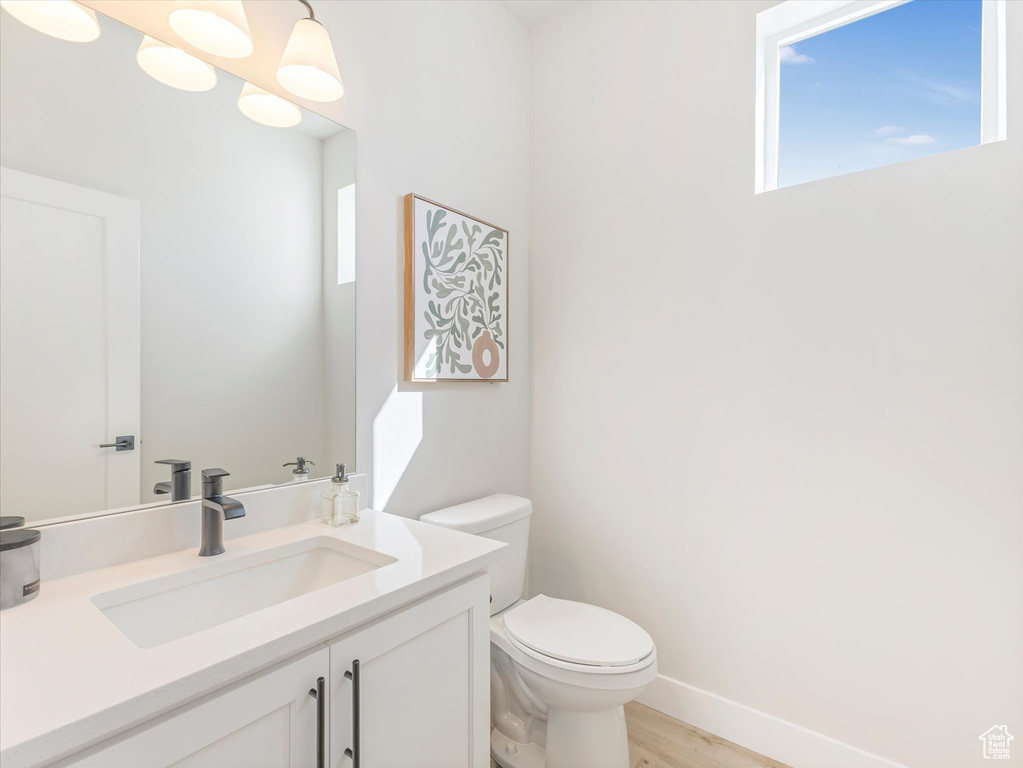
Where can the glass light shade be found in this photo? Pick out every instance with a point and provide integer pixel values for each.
(215, 26)
(267, 108)
(173, 67)
(308, 67)
(64, 19)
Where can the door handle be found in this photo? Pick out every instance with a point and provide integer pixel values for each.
(319, 694)
(124, 443)
(354, 752)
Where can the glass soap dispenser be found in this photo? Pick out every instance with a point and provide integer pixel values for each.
(340, 504)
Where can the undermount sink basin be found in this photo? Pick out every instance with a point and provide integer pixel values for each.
(155, 612)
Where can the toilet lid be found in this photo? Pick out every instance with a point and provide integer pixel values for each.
(578, 632)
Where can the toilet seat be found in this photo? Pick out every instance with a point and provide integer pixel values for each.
(578, 636)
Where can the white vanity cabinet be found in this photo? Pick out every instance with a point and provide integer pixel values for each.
(423, 694)
(267, 720)
(421, 686)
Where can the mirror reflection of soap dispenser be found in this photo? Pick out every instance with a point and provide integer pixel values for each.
(339, 503)
(300, 471)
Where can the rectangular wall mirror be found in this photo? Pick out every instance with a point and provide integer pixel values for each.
(177, 280)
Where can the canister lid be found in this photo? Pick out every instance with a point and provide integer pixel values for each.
(11, 521)
(18, 537)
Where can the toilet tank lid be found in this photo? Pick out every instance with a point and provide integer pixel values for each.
(481, 515)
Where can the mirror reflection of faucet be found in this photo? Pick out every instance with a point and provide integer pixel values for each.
(216, 508)
(180, 485)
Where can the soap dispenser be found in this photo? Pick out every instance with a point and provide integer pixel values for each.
(300, 471)
(340, 504)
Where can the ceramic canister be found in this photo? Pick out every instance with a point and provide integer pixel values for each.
(19, 566)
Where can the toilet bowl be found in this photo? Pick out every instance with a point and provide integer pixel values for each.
(560, 671)
(552, 712)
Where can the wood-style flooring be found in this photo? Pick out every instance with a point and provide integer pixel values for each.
(659, 741)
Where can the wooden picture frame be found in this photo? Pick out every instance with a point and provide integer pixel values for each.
(456, 295)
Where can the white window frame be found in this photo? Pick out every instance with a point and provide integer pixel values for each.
(795, 20)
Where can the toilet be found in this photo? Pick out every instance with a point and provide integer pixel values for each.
(560, 671)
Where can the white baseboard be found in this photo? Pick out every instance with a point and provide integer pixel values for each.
(770, 736)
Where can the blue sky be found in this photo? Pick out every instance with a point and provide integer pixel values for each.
(901, 84)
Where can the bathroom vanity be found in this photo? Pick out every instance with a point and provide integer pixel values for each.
(203, 261)
(303, 645)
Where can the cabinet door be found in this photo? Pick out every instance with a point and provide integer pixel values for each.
(422, 687)
(267, 721)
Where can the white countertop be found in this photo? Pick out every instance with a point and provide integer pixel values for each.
(69, 678)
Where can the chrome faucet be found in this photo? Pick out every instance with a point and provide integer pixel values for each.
(215, 504)
(180, 485)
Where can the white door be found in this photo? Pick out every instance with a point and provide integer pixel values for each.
(423, 685)
(269, 721)
(69, 347)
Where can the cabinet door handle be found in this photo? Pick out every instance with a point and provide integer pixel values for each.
(319, 693)
(354, 752)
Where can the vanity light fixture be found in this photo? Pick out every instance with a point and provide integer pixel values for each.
(308, 67)
(267, 108)
(174, 67)
(218, 27)
(64, 19)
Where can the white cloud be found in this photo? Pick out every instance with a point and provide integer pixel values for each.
(916, 140)
(788, 55)
(946, 95)
(888, 130)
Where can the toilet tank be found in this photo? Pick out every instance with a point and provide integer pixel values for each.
(502, 517)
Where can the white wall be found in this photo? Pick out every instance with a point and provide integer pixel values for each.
(338, 310)
(231, 243)
(782, 432)
(438, 94)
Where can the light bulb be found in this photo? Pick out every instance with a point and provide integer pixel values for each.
(267, 108)
(308, 67)
(173, 67)
(63, 19)
(215, 26)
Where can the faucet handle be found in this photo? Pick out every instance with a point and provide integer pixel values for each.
(214, 474)
(176, 465)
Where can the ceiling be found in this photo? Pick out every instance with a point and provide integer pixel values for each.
(532, 12)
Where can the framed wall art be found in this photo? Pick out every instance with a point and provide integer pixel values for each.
(456, 295)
